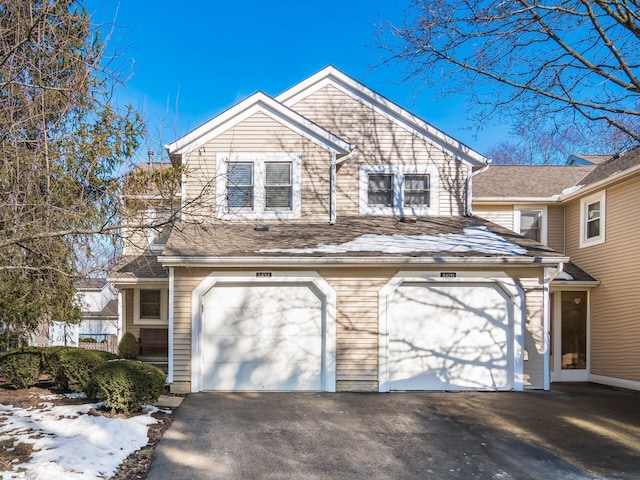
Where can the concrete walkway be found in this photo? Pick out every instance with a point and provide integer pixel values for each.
(579, 431)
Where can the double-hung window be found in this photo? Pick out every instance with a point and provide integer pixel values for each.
(592, 220)
(240, 185)
(161, 225)
(259, 185)
(150, 305)
(398, 190)
(531, 224)
(278, 186)
(380, 191)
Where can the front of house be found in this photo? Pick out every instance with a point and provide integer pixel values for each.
(327, 243)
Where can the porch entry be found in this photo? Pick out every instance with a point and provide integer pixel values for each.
(570, 336)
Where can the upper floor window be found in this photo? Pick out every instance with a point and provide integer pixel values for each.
(531, 224)
(387, 190)
(592, 220)
(259, 185)
(161, 225)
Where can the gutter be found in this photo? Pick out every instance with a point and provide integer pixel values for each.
(261, 262)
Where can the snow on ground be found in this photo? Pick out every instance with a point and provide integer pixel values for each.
(473, 239)
(68, 443)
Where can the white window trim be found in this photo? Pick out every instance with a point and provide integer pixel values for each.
(259, 209)
(152, 215)
(584, 203)
(398, 208)
(543, 224)
(164, 307)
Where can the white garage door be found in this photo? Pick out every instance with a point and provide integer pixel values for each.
(266, 337)
(450, 337)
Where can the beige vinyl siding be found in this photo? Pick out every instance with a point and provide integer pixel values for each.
(258, 134)
(534, 348)
(615, 324)
(499, 214)
(380, 141)
(555, 227)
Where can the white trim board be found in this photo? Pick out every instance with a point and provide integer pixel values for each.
(614, 382)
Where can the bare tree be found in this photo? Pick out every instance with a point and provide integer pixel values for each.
(537, 65)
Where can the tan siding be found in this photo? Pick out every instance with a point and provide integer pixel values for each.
(533, 332)
(499, 214)
(555, 227)
(615, 324)
(380, 141)
(259, 134)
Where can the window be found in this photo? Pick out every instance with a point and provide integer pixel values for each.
(398, 190)
(150, 305)
(160, 230)
(259, 185)
(531, 224)
(380, 190)
(416, 190)
(240, 185)
(592, 220)
(277, 186)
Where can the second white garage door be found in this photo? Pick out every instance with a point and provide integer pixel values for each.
(262, 337)
(450, 337)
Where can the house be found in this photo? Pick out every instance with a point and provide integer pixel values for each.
(333, 248)
(584, 211)
(99, 303)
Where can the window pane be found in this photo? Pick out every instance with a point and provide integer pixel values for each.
(380, 182)
(278, 198)
(593, 228)
(278, 174)
(593, 211)
(149, 303)
(416, 190)
(380, 199)
(240, 197)
(240, 174)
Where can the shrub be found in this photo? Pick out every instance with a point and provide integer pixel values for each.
(88, 340)
(125, 385)
(51, 360)
(76, 367)
(128, 347)
(21, 367)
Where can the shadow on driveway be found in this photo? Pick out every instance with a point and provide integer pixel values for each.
(575, 431)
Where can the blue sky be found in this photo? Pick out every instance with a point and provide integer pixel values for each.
(185, 62)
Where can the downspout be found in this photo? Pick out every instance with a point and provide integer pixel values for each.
(470, 186)
(332, 183)
(546, 373)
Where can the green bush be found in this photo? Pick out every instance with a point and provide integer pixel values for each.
(51, 360)
(88, 340)
(125, 385)
(21, 367)
(76, 367)
(128, 347)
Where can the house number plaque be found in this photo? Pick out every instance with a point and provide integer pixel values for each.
(263, 274)
(448, 274)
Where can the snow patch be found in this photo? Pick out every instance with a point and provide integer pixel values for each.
(68, 443)
(570, 190)
(473, 239)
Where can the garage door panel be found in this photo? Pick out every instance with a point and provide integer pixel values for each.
(262, 337)
(449, 337)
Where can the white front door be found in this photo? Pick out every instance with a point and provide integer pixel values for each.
(262, 337)
(570, 334)
(457, 336)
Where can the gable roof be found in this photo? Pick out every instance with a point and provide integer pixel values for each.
(613, 165)
(332, 76)
(542, 182)
(354, 240)
(258, 102)
(580, 159)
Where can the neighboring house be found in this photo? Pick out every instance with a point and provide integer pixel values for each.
(99, 304)
(333, 248)
(584, 210)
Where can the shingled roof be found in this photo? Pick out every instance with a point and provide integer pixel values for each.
(615, 164)
(353, 238)
(133, 267)
(534, 181)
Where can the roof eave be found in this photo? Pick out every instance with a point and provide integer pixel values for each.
(551, 199)
(616, 177)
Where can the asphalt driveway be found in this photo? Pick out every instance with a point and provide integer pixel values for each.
(574, 431)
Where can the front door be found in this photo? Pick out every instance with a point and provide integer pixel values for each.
(570, 337)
